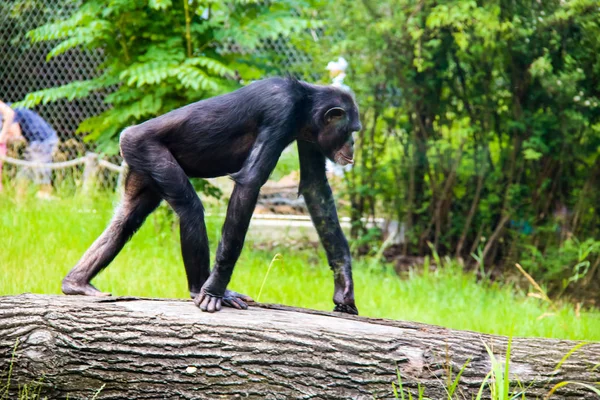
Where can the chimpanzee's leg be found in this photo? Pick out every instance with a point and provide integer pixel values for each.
(321, 206)
(174, 186)
(192, 234)
(255, 172)
(139, 200)
(239, 211)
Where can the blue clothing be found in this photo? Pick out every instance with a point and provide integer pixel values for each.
(42, 141)
(33, 127)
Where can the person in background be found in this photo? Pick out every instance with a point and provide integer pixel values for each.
(22, 124)
(337, 73)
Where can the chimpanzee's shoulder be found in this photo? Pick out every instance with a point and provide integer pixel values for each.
(276, 91)
(274, 84)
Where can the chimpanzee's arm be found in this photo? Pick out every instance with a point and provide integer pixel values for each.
(321, 206)
(256, 170)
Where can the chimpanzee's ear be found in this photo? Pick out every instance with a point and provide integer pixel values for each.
(335, 113)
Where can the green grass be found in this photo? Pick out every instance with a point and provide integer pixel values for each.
(42, 241)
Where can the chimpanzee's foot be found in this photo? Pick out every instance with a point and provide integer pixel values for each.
(343, 298)
(211, 303)
(346, 308)
(236, 300)
(86, 289)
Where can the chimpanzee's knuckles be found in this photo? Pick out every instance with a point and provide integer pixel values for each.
(214, 304)
(346, 308)
(198, 299)
(205, 303)
(211, 305)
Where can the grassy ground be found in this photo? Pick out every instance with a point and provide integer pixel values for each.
(42, 240)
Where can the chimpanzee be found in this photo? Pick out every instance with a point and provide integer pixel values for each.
(241, 134)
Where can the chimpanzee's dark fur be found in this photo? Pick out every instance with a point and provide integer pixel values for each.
(241, 134)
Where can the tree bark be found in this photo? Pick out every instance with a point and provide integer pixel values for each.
(470, 215)
(155, 349)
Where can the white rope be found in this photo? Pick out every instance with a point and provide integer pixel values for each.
(110, 166)
(33, 164)
(58, 165)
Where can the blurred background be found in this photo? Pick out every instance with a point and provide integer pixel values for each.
(480, 149)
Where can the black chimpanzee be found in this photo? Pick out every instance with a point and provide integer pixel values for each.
(241, 134)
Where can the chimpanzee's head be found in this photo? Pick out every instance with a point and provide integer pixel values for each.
(337, 119)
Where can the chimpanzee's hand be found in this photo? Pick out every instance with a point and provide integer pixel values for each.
(212, 293)
(343, 296)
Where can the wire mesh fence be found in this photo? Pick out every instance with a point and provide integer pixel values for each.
(24, 69)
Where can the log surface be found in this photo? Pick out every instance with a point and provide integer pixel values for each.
(165, 349)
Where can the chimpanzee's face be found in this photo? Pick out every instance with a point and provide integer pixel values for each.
(336, 139)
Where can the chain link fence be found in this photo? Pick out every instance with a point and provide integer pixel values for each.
(24, 69)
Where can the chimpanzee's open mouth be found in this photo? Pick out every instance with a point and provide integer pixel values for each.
(346, 158)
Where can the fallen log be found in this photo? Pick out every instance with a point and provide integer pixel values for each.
(133, 348)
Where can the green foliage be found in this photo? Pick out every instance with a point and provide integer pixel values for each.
(482, 123)
(566, 265)
(499, 378)
(161, 54)
(403, 394)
